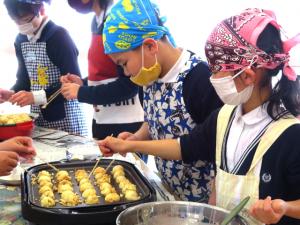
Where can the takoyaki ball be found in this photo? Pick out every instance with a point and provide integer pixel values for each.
(48, 194)
(123, 183)
(85, 186)
(131, 195)
(69, 198)
(47, 201)
(64, 187)
(63, 182)
(88, 192)
(108, 190)
(99, 170)
(112, 197)
(128, 186)
(44, 189)
(80, 174)
(91, 199)
(99, 175)
(84, 180)
(104, 185)
(119, 173)
(119, 179)
(117, 168)
(104, 178)
(46, 183)
(44, 178)
(44, 173)
(62, 175)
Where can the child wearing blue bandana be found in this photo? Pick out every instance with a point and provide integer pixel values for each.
(177, 91)
(45, 52)
(107, 88)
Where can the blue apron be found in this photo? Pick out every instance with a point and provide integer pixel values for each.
(166, 114)
(42, 74)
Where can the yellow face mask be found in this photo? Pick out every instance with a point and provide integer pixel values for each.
(147, 75)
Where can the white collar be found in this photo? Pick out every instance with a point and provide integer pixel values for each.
(35, 37)
(255, 116)
(177, 68)
(99, 19)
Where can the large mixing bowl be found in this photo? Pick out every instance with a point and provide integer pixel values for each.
(175, 213)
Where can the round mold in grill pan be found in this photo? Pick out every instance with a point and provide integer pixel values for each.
(102, 213)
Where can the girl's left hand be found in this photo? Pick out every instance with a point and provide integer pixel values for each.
(268, 211)
(70, 90)
(22, 98)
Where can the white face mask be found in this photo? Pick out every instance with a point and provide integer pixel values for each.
(27, 29)
(226, 90)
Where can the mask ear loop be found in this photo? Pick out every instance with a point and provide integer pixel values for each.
(253, 60)
(143, 56)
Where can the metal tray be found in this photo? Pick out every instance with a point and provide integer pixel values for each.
(102, 213)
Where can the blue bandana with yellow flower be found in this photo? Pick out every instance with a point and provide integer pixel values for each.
(129, 23)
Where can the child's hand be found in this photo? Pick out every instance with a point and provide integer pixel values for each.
(20, 145)
(71, 78)
(22, 98)
(111, 145)
(70, 90)
(5, 95)
(8, 161)
(268, 211)
(127, 136)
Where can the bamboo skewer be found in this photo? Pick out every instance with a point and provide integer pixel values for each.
(97, 163)
(109, 165)
(94, 167)
(53, 167)
(51, 98)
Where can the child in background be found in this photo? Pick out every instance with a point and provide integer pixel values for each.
(254, 138)
(177, 91)
(44, 51)
(114, 96)
(11, 151)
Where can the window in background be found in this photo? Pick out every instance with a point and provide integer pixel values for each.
(190, 22)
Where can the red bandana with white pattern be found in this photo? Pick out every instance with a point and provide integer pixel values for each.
(232, 44)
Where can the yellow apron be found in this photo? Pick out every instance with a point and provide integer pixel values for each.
(232, 188)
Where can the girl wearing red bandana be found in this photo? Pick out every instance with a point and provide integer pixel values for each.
(254, 137)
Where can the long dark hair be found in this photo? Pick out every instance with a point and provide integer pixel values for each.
(286, 92)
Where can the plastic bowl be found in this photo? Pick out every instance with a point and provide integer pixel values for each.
(19, 129)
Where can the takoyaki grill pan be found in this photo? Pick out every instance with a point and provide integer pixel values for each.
(102, 213)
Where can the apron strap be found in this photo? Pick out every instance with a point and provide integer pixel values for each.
(222, 123)
(270, 136)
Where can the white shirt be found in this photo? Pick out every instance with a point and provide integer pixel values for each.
(99, 19)
(243, 130)
(172, 74)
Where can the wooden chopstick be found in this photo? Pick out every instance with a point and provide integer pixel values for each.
(51, 98)
(53, 167)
